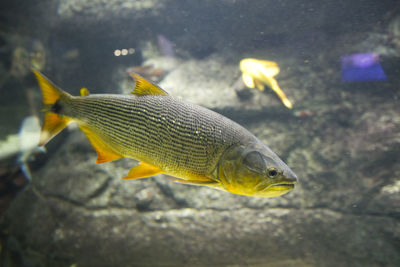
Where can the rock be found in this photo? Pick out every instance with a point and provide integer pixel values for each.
(341, 139)
(209, 83)
(100, 10)
(205, 27)
(202, 237)
(344, 211)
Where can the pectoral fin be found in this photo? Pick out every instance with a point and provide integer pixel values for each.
(207, 182)
(143, 170)
(248, 80)
(259, 85)
(104, 152)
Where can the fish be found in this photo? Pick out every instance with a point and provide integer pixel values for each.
(23, 146)
(362, 67)
(257, 73)
(168, 136)
(29, 135)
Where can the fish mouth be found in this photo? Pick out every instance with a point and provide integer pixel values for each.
(278, 186)
(283, 185)
(276, 189)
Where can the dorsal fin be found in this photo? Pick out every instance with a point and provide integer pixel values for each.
(145, 87)
(84, 91)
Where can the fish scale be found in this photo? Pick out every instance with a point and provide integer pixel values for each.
(167, 131)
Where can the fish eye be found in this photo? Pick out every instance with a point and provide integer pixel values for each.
(272, 172)
(254, 161)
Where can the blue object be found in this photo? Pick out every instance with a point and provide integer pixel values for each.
(362, 67)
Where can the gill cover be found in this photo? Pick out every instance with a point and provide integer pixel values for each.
(254, 171)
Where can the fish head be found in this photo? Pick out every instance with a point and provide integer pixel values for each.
(254, 170)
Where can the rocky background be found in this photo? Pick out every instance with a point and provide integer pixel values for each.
(341, 139)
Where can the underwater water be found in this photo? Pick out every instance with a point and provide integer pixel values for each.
(318, 82)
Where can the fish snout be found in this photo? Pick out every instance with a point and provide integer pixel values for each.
(291, 179)
(290, 176)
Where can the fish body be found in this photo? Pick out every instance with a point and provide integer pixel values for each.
(149, 129)
(29, 134)
(257, 73)
(169, 136)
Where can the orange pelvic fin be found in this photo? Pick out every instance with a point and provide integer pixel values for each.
(259, 85)
(104, 152)
(207, 181)
(143, 170)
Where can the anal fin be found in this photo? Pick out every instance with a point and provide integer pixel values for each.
(143, 170)
(104, 152)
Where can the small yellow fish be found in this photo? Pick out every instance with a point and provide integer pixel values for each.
(168, 136)
(257, 73)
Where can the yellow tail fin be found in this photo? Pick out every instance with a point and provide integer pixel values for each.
(53, 121)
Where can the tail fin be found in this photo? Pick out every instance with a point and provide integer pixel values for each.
(53, 121)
